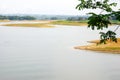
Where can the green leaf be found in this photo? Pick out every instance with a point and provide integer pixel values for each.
(98, 21)
(109, 35)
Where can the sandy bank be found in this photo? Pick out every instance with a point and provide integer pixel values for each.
(110, 47)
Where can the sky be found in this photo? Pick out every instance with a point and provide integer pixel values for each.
(57, 7)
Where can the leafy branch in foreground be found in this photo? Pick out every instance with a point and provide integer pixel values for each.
(98, 21)
(109, 35)
(101, 20)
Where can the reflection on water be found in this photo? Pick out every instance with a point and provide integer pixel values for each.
(48, 54)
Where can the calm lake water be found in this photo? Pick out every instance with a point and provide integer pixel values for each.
(49, 54)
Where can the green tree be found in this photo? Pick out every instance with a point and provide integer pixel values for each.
(101, 20)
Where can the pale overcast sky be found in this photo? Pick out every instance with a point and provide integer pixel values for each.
(60, 7)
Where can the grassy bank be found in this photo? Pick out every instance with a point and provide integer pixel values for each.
(115, 22)
(77, 23)
(46, 23)
(70, 23)
(49, 23)
(110, 47)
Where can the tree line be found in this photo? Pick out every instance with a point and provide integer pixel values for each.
(16, 17)
(68, 18)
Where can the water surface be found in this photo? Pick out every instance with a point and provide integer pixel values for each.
(48, 54)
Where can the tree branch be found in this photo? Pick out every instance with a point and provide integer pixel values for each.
(117, 28)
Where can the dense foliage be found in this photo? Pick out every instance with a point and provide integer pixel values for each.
(101, 20)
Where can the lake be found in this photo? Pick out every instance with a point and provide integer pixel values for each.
(49, 54)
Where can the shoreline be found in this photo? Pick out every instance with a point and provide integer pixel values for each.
(110, 47)
(28, 23)
(48, 23)
(41, 23)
